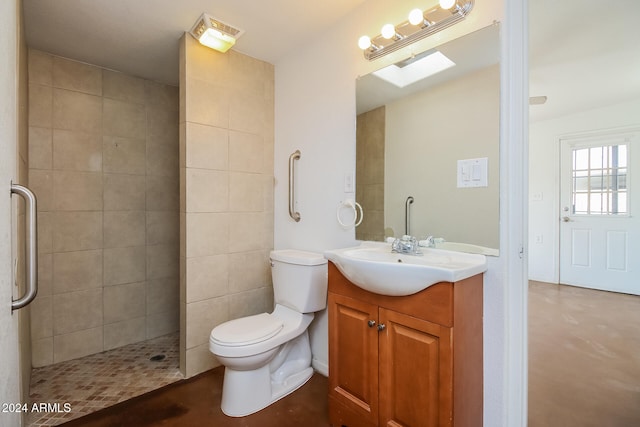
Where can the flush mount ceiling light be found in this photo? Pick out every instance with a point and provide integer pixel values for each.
(419, 25)
(215, 33)
(414, 69)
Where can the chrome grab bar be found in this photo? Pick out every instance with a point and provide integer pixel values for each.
(295, 215)
(32, 246)
(407, 216)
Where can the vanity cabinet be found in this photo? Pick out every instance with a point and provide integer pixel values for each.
(405, 361)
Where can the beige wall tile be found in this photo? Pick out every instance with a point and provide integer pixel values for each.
(163, 193)
(162, 295)
(41, 183)
(122, 87)
(250, 302)
(206, 64)
(199, 359)
(78, 76)
(42, 317)
(45, 232)
(124, 192)
(207, 234)
(40, 105)
(76, 231)
(77, 111)
(163, 227)
(124, 228)
(124, 265)
(162, 122)
(123, 333)
(40, 67)
(249, 270)
(124, 302)
(201, 109)
(162, 261)
(246, 192)
(161, 95)
(77, 270)
(77, 151)
(159, 324)
(207, 277)
(124, 155)
(250, 232)
(77, 191)
(124, 119)
(77, 311)
(40, 148)
(249, 112)
(45, 274)
(246, 152)
(207, 148)
(77, 344)
(206, 190)
(41, 352)
(162, 155)
(202, 317)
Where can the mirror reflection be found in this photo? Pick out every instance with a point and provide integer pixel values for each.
(427, 153)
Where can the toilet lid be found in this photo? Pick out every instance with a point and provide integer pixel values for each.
(247, 330)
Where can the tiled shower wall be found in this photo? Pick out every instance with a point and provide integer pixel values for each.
(103, 162)
(226, 214)
(370, 141)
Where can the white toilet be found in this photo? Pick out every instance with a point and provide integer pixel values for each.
(268, 356)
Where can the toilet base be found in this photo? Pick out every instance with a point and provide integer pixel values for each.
(247, 392)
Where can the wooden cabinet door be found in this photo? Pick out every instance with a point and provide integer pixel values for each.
(415, 375)
(353, 360)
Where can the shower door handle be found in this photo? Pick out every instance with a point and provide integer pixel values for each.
(32, 246)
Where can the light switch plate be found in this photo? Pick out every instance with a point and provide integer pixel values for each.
(473, 172)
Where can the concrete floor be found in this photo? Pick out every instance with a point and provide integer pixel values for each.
(584, 357)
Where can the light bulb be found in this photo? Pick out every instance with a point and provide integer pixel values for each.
(388, 31)
(364, 42)
(447, 4)
(416, 17)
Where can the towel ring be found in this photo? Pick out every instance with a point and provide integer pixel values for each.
(350, 203)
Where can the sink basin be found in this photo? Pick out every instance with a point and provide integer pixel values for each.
(373, 267)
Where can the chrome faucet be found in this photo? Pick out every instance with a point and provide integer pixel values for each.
(406, 245)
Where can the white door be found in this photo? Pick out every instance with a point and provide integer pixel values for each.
(600, 211)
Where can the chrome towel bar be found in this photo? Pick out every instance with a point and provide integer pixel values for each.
(32, 246)
(295, 215)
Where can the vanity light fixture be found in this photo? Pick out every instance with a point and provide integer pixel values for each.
(215, 33)
(419, 25)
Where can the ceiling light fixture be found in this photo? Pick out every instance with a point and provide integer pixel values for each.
(419, 25)
(215, 33)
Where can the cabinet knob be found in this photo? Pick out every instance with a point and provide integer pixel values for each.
(371, 323)
(381, 327)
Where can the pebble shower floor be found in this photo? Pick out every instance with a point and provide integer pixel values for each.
(78, 387)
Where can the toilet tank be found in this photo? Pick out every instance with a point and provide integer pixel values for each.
(299, 280)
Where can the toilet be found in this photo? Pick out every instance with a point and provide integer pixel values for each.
(268, 355)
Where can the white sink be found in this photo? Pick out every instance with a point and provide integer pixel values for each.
(373, 267)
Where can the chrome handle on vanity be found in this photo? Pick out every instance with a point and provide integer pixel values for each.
(295, 215)
(32, 246)
(371, 323)
(382, 327)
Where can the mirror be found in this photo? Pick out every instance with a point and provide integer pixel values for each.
(409, 141)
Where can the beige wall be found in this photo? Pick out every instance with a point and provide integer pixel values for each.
(103, 150)
(226, 188)
(370, 141)
(453, 121)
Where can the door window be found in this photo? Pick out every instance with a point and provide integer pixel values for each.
(599, 180)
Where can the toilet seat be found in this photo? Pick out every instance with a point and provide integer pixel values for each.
(247, 330)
